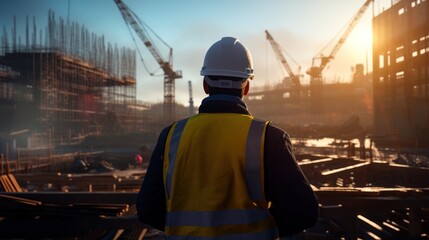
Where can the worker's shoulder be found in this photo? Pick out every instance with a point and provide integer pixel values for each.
(164, 132)
(167, 129)
(275, 131)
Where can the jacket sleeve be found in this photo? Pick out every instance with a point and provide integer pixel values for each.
(294, 204)
(150, 202)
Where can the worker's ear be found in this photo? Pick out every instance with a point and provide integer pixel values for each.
(206, 87)
(246, 88)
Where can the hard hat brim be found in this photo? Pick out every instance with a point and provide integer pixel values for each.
(226, 83)
(226, 73)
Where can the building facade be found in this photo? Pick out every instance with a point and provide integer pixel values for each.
(401, 73)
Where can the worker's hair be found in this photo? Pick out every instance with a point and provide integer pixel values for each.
(229, 91)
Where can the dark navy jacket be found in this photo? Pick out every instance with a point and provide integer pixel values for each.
(294, 204)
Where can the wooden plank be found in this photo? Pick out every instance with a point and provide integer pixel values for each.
(15, 185)
(65, 227)
(79, 197)
(345, 168)
(6, 183)
(20, 200)
(306, 162)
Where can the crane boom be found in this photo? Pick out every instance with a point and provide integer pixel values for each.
(277, 49)
(170, 75)
(316, 71)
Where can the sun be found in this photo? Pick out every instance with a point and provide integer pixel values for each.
(358, 46)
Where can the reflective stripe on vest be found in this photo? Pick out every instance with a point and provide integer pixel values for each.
(174, 145)
(268, 234)
(215, 218)
(253, 155)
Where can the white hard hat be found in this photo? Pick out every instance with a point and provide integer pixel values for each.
(228, 57)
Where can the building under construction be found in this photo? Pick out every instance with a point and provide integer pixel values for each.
(62, 84)
(345, 109)
(73, 85)
(342, 110)
(401, 73)
(395, 109)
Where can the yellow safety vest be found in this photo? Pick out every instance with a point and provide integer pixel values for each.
(213, 176)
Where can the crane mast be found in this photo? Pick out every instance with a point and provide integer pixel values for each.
(191, 100)
(277, 49)
(170, 75)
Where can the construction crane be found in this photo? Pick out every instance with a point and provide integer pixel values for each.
(296, 84)
(315, 72)
(170, 75)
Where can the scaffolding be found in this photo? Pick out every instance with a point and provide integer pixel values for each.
(71, 82)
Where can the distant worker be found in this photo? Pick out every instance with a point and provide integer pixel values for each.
(222, 174)
(138, 158)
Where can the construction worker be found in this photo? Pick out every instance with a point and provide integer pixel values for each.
(138, 158)
(222, 174)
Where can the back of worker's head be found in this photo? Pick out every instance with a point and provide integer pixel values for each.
(227, 68)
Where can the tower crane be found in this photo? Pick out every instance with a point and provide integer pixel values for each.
(191, 100)
(296, 84)
(315, 72)
(170, 75)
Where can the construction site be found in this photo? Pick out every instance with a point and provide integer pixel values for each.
(71, 123)
(72, 85)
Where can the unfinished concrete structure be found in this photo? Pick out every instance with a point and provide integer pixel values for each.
(342, 103)
(63, 84)
(401, 72)
(348, 105)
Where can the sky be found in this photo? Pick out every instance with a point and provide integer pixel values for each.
(304, 29)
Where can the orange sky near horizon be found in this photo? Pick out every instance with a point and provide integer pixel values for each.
(303, 28)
